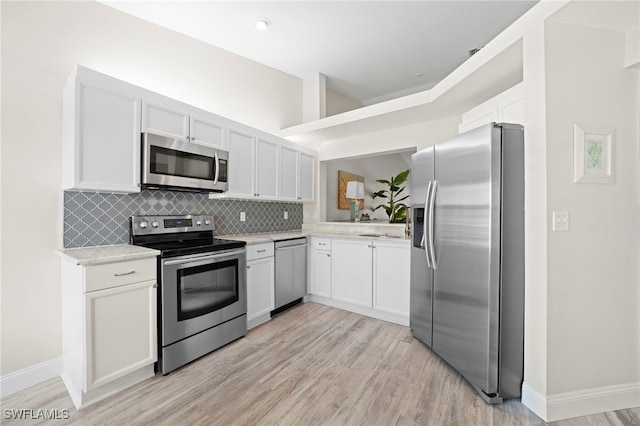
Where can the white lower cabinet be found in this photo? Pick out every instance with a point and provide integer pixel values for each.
(109, 327)
(391, 278)
(119, 330)
(352, 272)
(320, 267)
(260, 283)
(369, 277)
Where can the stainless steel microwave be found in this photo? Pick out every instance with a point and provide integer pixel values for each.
(176, 164)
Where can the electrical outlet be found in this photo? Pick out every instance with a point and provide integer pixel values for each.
(286, 215)
(243, 216)
(560, 221)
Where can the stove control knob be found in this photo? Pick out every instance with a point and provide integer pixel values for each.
(207, 222)
(198, 222)
(143, 224)
(155, 224)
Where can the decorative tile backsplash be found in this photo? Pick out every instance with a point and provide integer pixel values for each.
(97, 218)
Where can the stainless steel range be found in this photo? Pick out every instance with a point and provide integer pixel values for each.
(202, 301)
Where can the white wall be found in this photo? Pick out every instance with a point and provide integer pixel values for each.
(42, 42)
(593, 280)
(417, 136)
(401, 138)
(338, 103)
(371, 168)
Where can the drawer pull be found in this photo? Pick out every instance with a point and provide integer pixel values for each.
(122, 274)
(261, 251)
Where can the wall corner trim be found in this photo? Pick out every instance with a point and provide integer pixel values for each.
(30, 376)
(583, 402)
(534, 401)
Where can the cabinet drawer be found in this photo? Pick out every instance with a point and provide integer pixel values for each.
(110, 275)
(258, 251)
(321, 243)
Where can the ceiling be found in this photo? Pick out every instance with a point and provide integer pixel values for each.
(369, 50)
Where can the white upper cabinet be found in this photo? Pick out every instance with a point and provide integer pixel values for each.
(288, 174)
(263, 167)
(165, 120)
(101, 135)
(170, 120)
(306, 170)
(241, 164)
(266, 169)
(296, 175)
(206, 131)
(104, 117)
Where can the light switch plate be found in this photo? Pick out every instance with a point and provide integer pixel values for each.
(560, 221)
(243, 216)
(286, 215)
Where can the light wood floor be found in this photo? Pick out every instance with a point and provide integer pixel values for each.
(311, 365)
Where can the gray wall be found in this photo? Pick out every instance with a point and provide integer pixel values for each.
(371, 168)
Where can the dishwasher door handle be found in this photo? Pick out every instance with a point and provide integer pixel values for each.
(291, 247)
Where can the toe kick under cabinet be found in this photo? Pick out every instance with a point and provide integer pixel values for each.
(109, 326)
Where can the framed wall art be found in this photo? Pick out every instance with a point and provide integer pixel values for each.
(343, 177)
(593, 154)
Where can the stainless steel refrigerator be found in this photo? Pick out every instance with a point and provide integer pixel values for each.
(467, 255)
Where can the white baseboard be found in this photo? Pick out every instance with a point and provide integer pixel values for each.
(362, 310)
(581, 403)
(30, 376)
(534, 401)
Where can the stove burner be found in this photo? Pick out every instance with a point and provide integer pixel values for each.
(178, 235)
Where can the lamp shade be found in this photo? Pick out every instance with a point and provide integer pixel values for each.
(355, 189)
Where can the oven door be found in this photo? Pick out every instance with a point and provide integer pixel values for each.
(201, 291)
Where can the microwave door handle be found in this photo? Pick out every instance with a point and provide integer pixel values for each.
(216, 161)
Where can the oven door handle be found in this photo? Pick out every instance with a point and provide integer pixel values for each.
(196, 258)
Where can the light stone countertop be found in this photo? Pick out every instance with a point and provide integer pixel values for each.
(106, 254)
(265, 237)
(268, 237)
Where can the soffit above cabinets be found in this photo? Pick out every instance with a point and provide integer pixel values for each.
(479, 79)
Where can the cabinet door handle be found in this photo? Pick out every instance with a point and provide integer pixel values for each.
(155, 286)
(122, 274)
(328, 255)
(248, 267)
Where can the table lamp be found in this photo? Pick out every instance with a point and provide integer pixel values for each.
(355, 191)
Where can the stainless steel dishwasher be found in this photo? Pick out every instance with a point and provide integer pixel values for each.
(291, 272)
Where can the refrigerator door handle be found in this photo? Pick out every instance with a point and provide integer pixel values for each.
(424, 225)
(432, 202)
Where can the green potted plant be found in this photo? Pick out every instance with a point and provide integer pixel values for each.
(396, 210)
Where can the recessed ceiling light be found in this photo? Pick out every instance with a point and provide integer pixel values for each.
(262, 24)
